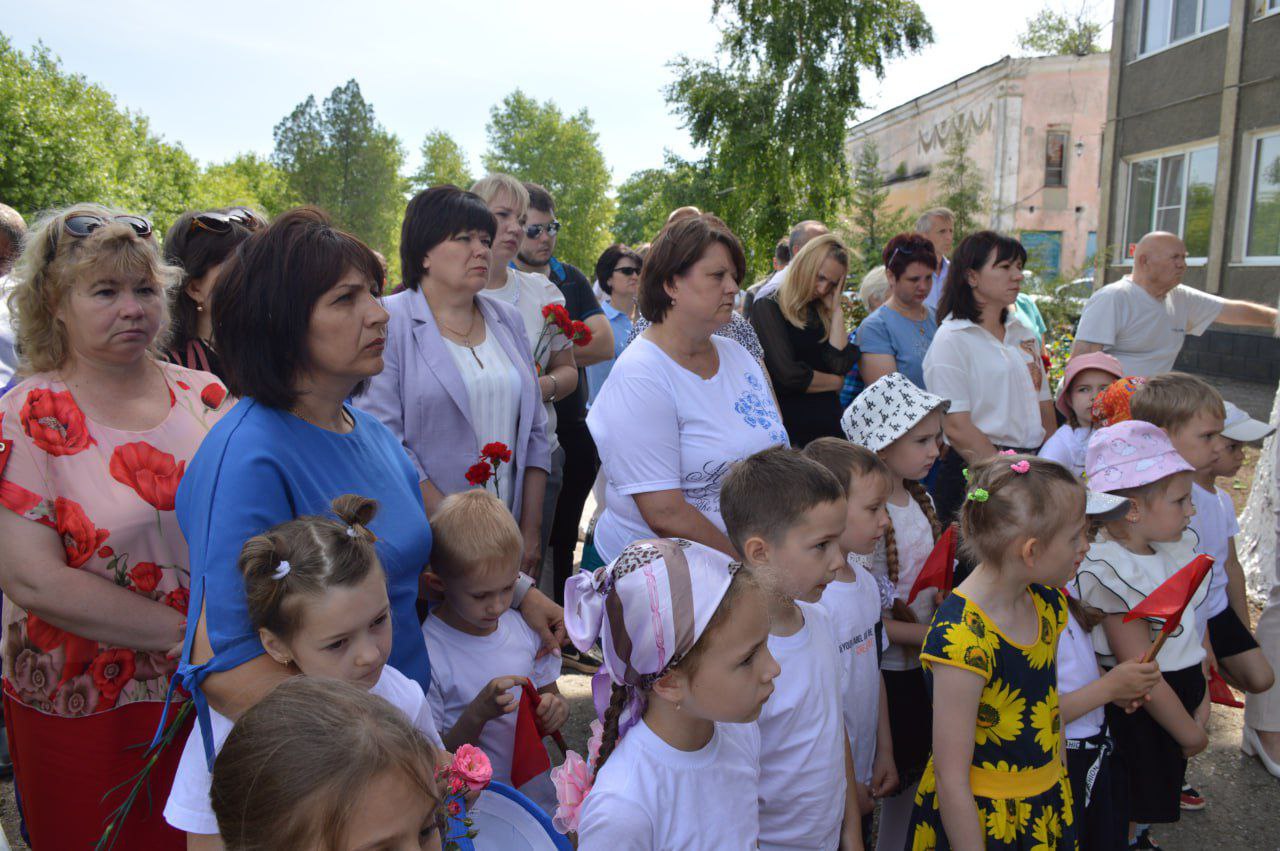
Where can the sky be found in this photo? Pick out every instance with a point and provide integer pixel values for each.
(217, 77)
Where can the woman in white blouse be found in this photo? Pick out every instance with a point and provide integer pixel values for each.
(681, 405)
(986, 362)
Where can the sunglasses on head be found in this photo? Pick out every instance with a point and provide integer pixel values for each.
(535, 231)
(216, 222)
(626, 270)
(905, 252)
(83, 224)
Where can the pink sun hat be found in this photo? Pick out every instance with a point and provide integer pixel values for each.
(1077, 364)
(1129, 455)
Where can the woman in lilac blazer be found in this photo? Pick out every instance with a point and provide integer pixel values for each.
(458, 369)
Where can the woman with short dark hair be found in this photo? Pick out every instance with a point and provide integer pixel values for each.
(682, 404)
(896, 336)
(200, 245)
(618, 273)
(459, 368)
(303, 328)
(986, 362)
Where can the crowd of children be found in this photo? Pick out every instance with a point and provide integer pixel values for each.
(771, 700)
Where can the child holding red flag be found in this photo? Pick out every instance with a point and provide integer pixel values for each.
(483, 652)
(903, 425)
(1132, 557)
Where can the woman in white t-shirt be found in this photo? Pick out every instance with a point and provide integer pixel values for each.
(986, 362)
(681, 405)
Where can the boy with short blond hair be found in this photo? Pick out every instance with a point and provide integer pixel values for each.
(481, 650)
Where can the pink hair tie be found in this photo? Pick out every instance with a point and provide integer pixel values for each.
(1008, 452)
(1021, 467)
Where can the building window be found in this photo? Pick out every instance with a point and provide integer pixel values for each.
(1055, 158)
(1173, 193)
(1166, 22)
(1264, 199)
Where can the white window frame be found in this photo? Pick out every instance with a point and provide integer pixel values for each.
(1263, 8)
(1159, 155)
(1065, 133)
(1250, 149)
(1139, 55)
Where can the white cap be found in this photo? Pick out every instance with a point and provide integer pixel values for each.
(1242, 427)
(1098, 503)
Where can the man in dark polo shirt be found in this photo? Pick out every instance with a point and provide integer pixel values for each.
(564, 511)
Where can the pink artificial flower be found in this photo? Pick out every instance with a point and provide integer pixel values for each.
(594, 743)
(472, 765)
(1007, 452)
(573, 780)
(1021, 467)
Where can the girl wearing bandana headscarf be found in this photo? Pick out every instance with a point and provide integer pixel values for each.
(686, 668)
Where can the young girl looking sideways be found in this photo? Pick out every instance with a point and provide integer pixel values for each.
(996, 778)
(854, 600)
(685, 636)
(318, 597)
(353, 774)
(902, 424)
(1083, 379)
(1131, 557)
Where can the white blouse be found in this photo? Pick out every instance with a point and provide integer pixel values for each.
(493, 392)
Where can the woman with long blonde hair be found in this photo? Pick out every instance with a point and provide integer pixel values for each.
(807, 349)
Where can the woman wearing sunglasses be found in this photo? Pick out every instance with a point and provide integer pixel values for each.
(895, 337)
(200, 244)
(806, 347)
(618, 272)
(94, 566)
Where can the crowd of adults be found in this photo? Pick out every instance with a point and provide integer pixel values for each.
(164, 406)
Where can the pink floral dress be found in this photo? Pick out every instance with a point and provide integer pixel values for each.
(109, 495)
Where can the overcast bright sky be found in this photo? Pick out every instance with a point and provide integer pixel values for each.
(217, 77)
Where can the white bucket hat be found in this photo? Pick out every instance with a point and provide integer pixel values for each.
(885, 411)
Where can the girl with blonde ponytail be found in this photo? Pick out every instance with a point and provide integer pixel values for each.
(317, 596)
(903, 425)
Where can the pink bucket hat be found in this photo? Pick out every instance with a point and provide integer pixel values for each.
(1077, 364)
(648, 608)
(1129, 455)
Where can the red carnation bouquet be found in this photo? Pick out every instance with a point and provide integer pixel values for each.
(492, 457)
(556, 321)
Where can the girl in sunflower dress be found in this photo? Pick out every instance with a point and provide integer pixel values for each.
(997, 778)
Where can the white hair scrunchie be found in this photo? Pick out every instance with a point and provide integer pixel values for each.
(281, 571)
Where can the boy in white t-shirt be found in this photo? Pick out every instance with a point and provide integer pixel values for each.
(808, 797)
(481, 651)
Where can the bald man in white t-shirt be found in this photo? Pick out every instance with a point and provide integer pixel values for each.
(1144, 318)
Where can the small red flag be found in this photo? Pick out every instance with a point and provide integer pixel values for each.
(1221, 693)
(939, 569)
(529, 756)
(1170, 599)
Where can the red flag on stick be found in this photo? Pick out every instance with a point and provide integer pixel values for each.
(529, 757)
(1171, 599)
(939, 570)
(1221, 693)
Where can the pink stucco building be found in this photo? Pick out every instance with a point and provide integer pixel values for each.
(1035, 128)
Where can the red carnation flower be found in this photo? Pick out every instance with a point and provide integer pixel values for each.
(112, 671)
(579, 333)
(213, 395)
(479, 473)
(153, 474)
(80, 538)
(496, 452)
(146, 576)
(54, 422)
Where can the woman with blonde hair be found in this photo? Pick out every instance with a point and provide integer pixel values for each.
(94, 567)
(807, 349)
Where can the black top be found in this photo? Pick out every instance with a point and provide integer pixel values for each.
(580, 301)
(792, 355)
(196, 354)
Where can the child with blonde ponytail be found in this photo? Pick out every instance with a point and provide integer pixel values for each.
(903, 425)
(317, 596)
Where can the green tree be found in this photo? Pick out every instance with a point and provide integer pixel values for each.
(443, 161)
(339, 157)
(536, 142)
(1053, 33)
(248, 179)
(646, 198)
(871, 222)
(960, 184)
(65, 140)
(773, 110)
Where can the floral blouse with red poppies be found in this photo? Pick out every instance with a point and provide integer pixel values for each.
(109, 495)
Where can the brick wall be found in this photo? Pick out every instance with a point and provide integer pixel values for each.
(1245, 357)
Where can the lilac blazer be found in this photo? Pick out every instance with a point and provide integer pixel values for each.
(420, 395)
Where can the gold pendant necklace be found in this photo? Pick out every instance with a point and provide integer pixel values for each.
(466, 338)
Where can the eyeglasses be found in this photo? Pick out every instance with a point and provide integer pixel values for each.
(535, 231)
(626, 270)
(83, 224)
(216, 222)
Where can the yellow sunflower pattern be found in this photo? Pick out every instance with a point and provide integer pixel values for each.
(1019, 725)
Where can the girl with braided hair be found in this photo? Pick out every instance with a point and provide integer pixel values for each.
(687, 667)
(317, 596)
(902, 424)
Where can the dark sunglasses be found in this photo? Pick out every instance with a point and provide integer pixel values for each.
(215, 222)
(535, 231)
(83, 224)
(626, 270)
